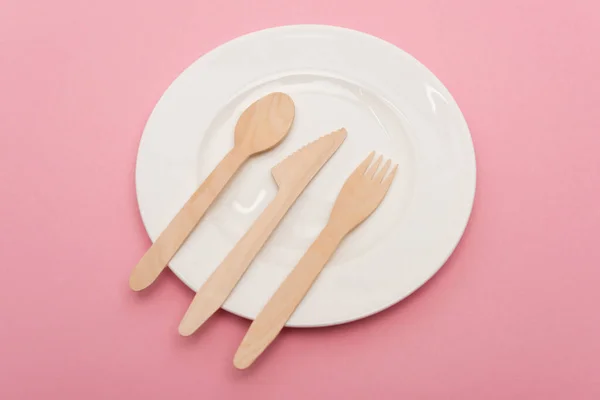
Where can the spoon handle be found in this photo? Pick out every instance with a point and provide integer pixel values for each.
(175, 234)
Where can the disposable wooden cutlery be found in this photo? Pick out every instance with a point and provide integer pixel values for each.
(261, 126)
(292, 175)
(360, 196)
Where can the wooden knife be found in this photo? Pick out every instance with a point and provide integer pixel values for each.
(292, 175)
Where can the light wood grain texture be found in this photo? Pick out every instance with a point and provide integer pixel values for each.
(360, 196)
(292, 175)
(261, 126)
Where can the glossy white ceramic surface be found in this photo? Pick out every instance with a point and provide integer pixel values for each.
(386, 100)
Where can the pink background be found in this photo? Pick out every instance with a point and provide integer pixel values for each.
(514, 314)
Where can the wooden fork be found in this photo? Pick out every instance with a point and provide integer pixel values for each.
(360, 196)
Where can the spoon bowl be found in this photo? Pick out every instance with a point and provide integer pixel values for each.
(265, 123)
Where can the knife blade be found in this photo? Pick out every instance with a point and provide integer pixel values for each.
(292, 175)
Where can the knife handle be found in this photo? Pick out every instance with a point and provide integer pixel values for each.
(282, 304)
(213, 293)
(175, 234)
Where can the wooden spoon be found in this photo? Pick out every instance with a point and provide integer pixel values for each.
(261, 127)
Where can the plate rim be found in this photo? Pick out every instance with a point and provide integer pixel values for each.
(246, 36)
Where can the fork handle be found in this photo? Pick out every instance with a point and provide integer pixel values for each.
(175, 234)
(282, 304)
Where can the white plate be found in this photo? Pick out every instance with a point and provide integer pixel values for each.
(337, 77)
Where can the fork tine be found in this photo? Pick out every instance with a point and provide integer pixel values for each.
(388, 180)
(382, 171)
(371, 171)
(363, 165)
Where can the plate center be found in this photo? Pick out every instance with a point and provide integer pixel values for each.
(323, 103)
